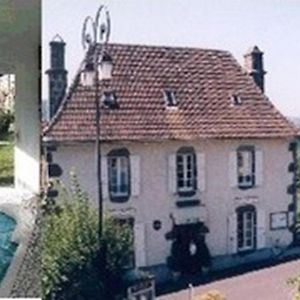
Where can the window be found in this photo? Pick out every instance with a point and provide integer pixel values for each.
(246, 167)
(118, 172)
(236, 99)
(186, 170)
(110, 100)
(246, 228)
(170, 98)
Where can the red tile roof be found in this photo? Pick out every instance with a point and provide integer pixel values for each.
(203, 81)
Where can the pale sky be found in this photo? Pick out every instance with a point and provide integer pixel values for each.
(233, 25)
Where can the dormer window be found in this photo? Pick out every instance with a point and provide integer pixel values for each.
(236, 99)
(109, 100)
(170, 98)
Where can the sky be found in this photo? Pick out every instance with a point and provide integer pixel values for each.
(233, 25)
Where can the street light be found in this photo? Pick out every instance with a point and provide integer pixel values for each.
(97, 67)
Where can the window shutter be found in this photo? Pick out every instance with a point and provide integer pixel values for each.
(135, 175)
(291, 218)
(104, 176)
(172, 173)
(260, 229)
(233, 178)
(139, 245)
(201, 171)
(258, 167)
(232, 233)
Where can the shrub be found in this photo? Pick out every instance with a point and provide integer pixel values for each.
(296, 283)
(211, 295)
(75, 264)
(6, 118)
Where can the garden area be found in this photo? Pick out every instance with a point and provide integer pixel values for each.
(76, 263)
(6, 150)
(6, 164)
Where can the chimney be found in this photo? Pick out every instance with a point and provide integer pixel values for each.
(57, 74)
(254, 65)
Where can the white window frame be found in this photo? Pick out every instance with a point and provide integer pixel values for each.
(119, 170)
(248, 225)
(245, 171)
(184, 156)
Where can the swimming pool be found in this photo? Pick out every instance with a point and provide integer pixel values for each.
(7, 248)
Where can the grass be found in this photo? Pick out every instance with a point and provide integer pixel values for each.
(6, 164)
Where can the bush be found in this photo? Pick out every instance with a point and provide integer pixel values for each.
(212, 295)
(6, 118)
(75, 264)
(296, 283)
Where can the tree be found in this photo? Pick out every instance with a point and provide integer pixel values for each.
(75, 264)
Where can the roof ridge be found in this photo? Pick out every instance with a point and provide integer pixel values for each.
(179, 47)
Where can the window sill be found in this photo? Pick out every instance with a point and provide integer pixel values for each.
(246, 252)
(246, 187)
(119, 199)
(187, 203)
(186, 193)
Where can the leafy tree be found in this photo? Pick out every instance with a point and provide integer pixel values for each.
(6, 118)
(75, 263)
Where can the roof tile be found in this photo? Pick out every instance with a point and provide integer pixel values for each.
(203, 81)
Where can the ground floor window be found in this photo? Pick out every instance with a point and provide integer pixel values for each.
(246, 228)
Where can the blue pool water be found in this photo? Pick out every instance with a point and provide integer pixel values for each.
(7, 248)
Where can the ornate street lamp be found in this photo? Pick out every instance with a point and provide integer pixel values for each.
(97, 67)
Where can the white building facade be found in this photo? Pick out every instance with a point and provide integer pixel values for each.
(152, 192)
(193, 154)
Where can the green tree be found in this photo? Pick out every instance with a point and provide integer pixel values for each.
(75, 264)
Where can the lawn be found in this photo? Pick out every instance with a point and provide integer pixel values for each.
(6, 164)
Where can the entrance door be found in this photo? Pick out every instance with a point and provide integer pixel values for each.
(189, 253)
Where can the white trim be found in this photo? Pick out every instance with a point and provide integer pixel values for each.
(104, 176)
(140, 245)
(172, 173)
(261, 229)
(135, 175)
(201, 180)
(258, 167)
(232, 233)
(232, 169)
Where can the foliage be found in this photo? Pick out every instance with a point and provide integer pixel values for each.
(296, 283)
(75, 264)
(211, 295)
(298, 174)
(6, 164)
(6, 118)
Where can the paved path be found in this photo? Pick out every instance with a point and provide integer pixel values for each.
(264, 284)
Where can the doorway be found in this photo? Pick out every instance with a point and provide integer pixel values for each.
(189, 252)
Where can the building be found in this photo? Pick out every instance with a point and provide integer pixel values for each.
(193, 153)
(20, 46)
(19, 57)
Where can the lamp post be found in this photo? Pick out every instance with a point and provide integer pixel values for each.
(97, 67)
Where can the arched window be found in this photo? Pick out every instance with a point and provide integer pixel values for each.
(246, 228)
(186, 171)
(119, 175)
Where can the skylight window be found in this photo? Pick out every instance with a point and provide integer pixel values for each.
(236, 100)
(170, 98)
(109, 100)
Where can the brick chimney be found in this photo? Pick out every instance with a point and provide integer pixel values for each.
(254, 65)
(57, 74)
